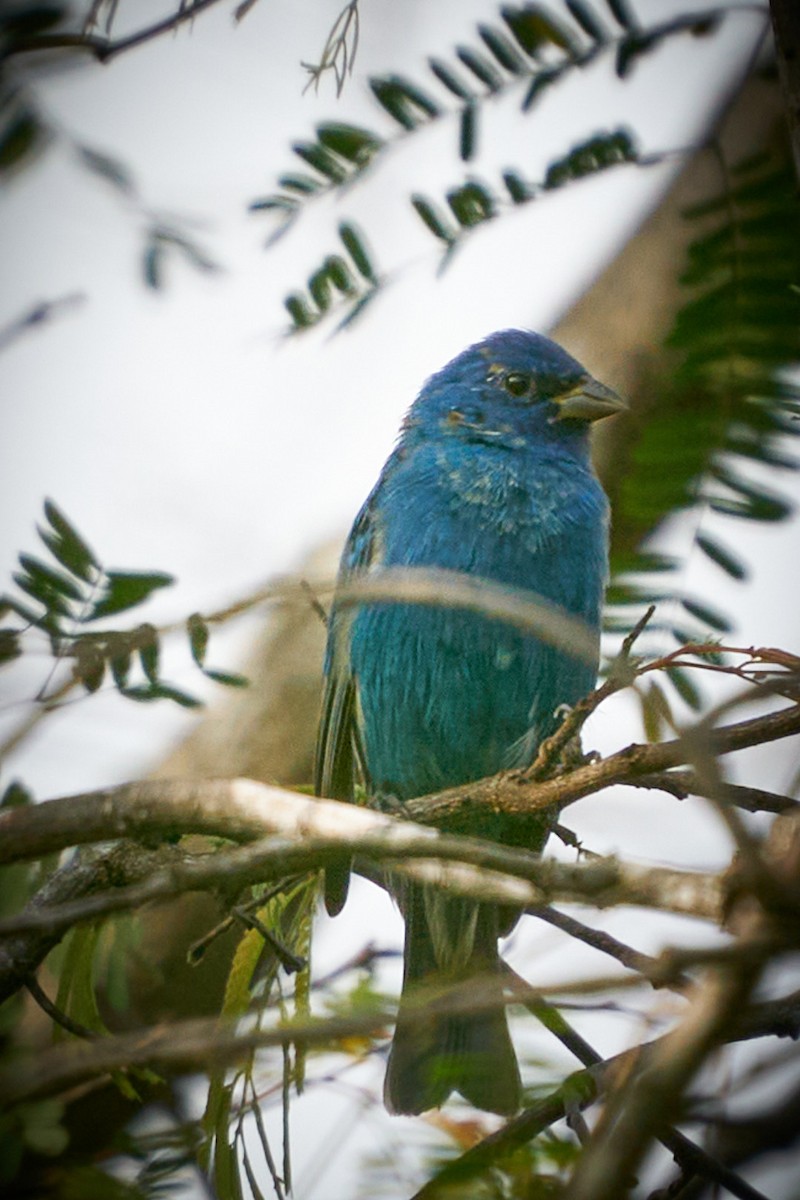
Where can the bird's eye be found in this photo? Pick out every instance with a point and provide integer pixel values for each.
(516, 383)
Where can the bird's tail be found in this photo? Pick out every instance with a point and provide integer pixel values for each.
(467, 1049)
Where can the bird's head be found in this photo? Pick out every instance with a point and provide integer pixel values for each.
(514, 389)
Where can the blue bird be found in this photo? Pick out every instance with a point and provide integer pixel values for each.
(491, 476)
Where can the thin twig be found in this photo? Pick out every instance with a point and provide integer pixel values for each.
(54, 1012)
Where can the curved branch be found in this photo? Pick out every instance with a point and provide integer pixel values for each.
(243, 809)
(102, 48)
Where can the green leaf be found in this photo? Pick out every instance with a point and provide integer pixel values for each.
(518, 188)
(90, 664)
(589, 22)
(622, 14)
(161, 691)
(353, 242)
(16, 795)
(9, 645)
(306, 185)
(228, 678)
(38, 589)
(351, 142)
(127, 589)
(503, 50)
(534, 28)
(67, 545)
(431, 217)
(340, 274)
(198, 637)
(321, 160)
(631, 48)
(707, 614)
(50, 579)
(471, 204)
(297, 307)
(403, 100)
(541, 81)
(481, 67)
(149, 651)
(107, 167)
(152, 263)
(121, 668)
(685, 686)
(319, 285)
(227, 1181)
(722, 556)
(450, 80)
(20, 138)
(22, 610)
(76, 995)
(656, 712)
(468, 125)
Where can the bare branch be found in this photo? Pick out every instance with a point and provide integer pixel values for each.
(102, 48)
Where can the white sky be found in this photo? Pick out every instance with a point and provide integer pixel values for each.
(181, 432)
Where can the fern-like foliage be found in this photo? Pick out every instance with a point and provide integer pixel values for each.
(529, 50)
(730, 399)
(65, 599)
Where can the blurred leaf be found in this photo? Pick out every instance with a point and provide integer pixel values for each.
(656, 712)
(16, 795)
(76, 994)
(539, 83)
(351, 142)
(90, 664)
(468, 132)
(353, 241)
(127, 589)
(303, 317)
(518, 189)
(707, 614)
(471, 204)
(228, 678)
(534, 28)
(481, 67)
(198, 637)
(22, 134)
(684, 685)
(149, 651)
(162, 691)
(121, 668)
(50, 579)
(67, 545)
(503, 50)
(430, 216)
(622, 13)
(152, 263)
(449, 79)
(107, 167)
(321, 159)
(403, 100)
(306, 185)
(588, 20)
(722, 556)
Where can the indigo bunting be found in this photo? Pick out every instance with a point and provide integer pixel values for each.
(491, 476)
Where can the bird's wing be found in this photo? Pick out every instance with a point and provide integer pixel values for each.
(339, 756)
(340, 761)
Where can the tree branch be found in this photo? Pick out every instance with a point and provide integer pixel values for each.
(102, 48)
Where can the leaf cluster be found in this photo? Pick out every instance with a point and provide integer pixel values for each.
(65, 599)
(729, 401)
(528, 51)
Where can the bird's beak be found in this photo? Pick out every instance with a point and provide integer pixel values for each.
(589, 400)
